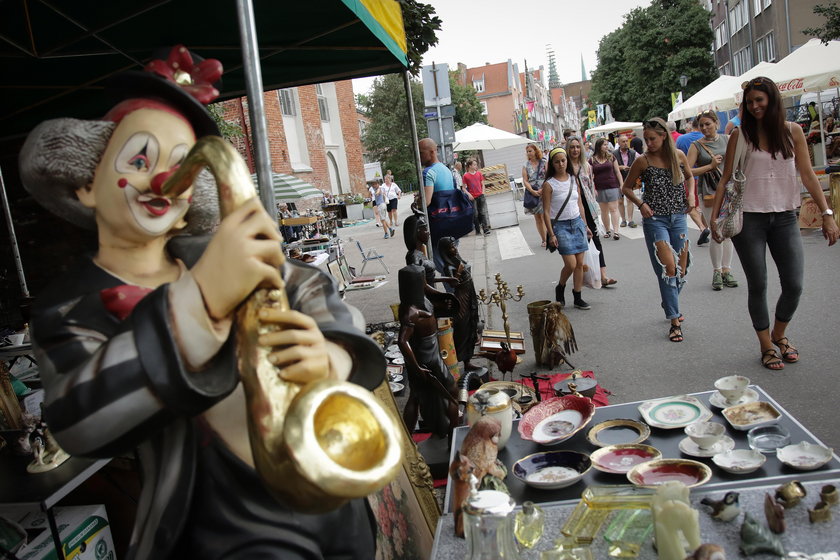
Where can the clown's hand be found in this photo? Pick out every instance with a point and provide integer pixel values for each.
(299, 349)
(244, 253)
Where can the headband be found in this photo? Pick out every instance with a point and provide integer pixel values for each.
(554, 152)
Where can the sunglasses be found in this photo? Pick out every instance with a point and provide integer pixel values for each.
(654, 124)
(753, 83)
(706, 114)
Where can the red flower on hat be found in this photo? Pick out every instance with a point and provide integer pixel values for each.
(195, 79)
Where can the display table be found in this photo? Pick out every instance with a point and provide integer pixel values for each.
(501, 209)
(666, 441)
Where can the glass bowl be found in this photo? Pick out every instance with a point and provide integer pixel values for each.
(768, 438)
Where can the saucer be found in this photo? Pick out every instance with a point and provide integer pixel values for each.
(688, 447)
(397, 361)
(391, 354)
(718, 401)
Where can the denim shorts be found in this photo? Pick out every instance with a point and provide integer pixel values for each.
(571, 236)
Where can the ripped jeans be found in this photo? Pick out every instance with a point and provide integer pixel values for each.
(668, 235)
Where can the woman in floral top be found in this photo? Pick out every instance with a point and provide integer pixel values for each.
(664, 169)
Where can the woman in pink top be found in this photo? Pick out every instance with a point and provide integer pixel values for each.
(775, 151)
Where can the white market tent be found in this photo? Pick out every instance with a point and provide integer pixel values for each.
(707, 99)
(612, 127)
(480, 136)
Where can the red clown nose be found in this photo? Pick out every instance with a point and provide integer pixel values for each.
(159, 179)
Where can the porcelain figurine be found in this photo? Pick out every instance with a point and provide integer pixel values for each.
(726, 509)
(432, 387)
(774, 512)
(708, 552)
(756, 538)
(480, 446)
(462, 473)
(558, 336)
(48, 454)
(676, 524)
(496, 404)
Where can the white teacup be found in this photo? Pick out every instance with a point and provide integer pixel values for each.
(732, 387)
(705, 434)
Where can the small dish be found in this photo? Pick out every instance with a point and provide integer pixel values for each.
(767, 439)
(618, 459)
(521, 401)
(690, 447)
(396, 378)
(719, 401)
(618, 431)
(393, 348)
(804, 456)
(396, 387)
(550, 470)
(674, 412)
(653, 473)
(739, 461)
(393, 354)
(746, 416)
(397, 361)
(556, 420)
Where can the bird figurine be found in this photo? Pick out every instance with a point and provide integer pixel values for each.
(755, 538)
(505, 359)
(558, 336)
(775, 514)
(480, 447)
(723, 510)
(461, 472)
(708, 551)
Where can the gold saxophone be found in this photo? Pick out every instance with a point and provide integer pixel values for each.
(315, 446)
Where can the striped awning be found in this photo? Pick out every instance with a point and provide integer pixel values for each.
(289, 187)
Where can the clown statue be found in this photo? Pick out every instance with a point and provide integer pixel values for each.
(135, 345)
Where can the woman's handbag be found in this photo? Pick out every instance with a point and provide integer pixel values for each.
(730, 220)
(529, 200)
(450, 214)
(708, 181)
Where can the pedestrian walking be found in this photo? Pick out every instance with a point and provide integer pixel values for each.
(607, 186)
(636, 143)
(664, 171)
(705, 157)
(776, 150)
(592, 212)
(474, 186)
(393, 193)
(566, 230)
(533, 175)
(381, 205)
(625, 155)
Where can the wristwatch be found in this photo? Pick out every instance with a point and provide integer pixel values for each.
(828, 212)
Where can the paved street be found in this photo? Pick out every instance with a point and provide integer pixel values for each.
(623, 338)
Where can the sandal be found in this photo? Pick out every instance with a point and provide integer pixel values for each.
(615, 236)
(606, 283)
(608, 235)
(675, 334)
(771, 360)
(789, 353)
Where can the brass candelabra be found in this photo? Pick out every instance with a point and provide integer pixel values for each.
(498, 297)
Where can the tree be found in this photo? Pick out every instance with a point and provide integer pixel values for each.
(388, 136)
(639, 64)
(420, 24)
(831, 29)
(468, 109)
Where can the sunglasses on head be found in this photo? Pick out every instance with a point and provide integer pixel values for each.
(753, 83)
(655, 124)
(706, 114)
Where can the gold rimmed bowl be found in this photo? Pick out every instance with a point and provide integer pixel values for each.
(619, 459)
(618, 431)
(654, 473)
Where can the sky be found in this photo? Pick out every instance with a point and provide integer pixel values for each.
(493, 31)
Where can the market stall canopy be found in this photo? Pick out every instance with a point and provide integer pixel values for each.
(612, 127)
(289, 187)
(57, 54)
(707, 99)
(480, 136)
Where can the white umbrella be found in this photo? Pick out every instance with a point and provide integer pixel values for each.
(479, 136)
(707, 99)
(289, 187)
(612, 127)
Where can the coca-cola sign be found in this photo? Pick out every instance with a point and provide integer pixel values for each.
(791, 85)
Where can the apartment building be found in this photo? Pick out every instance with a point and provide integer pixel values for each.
(498, 89)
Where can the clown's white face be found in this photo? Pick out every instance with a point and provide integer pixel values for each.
(145, 143)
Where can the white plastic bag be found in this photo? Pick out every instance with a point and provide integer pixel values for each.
(592, 267)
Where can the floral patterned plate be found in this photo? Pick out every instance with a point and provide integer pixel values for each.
(674, 412)
(618, 459)
(804, 456)
(739, 461)
(653, 473)
(556, 420)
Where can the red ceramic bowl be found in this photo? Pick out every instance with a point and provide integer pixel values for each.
(653, 473)
(619, 459)
(556, 420)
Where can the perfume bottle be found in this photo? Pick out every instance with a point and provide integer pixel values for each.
(528, 527)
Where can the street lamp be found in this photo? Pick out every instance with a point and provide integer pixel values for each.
(683, 80)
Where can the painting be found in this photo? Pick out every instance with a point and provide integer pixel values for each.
(406, 510)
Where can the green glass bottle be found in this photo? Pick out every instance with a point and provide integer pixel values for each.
(529, 524)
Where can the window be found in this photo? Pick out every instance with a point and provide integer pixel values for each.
(757, 5)
(742, 60)
(766, 48)
(767, 3)
(323, 108)
(287, 102)
(738, 17)
(720, 37)
(483, 107)
(362, 127)
(478, 85)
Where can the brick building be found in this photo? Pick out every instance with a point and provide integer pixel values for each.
(498, 89)
(313, 134)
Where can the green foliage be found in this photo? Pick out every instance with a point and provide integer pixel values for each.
(388, 136)
(227, 128)
(639, 64)
(467, 106)
(420, 24)
(831, 29)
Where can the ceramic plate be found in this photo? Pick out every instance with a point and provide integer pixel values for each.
(739, 461)
(653, 473)
(393, 348)
(396, 387)
(804, 456)
(619, 459)
(556, 420)
(398, 361)
(747, 416)
(524, 399)
(618, 431)
(396, 378)
(674, 412)
(688, 447)
(718, 401)
(393, 354)
(551, 470)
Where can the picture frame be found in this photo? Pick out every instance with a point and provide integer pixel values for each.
(335, 271)
(345, 269)
(406, 510)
